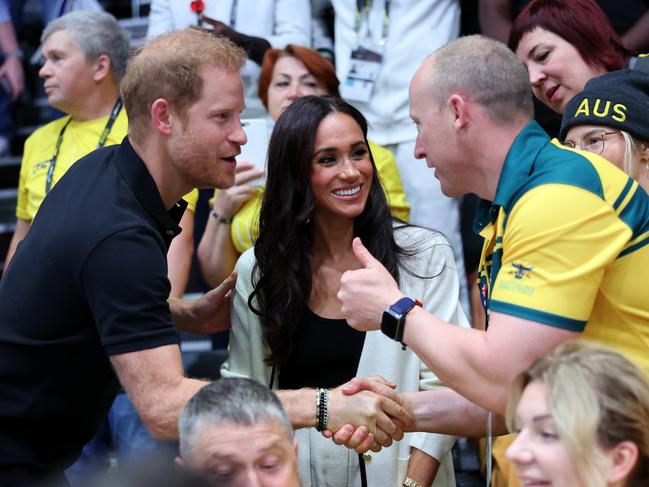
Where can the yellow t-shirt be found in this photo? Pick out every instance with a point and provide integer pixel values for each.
(79, 139)
(567, 245)
(192, 199)
(245, 224)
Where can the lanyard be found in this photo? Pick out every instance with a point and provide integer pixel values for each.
(363, 8)
(233, 13)
(102, 141)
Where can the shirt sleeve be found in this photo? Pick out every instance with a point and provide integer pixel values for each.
(246, 349)
(245, 223)
(558, 242)
(23, 194)
(126, 287)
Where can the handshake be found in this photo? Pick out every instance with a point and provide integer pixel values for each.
(367, 413)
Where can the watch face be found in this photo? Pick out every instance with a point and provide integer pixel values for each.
(394, 318)
(390, 323)
(402, 306)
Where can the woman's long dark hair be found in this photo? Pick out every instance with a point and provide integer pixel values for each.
(283, 283)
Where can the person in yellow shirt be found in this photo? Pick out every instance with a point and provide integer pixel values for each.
(286, 75)
(81, 78)
(566, 241)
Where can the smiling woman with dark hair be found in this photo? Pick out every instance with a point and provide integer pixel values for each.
(286, 75)
(287, 326)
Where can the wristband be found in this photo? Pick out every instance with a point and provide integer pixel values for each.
(408, 482)
(220, 219)
(17, 53)
(321, 408)
(394, 319)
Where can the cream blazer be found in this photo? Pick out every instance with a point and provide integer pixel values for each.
(321, 462)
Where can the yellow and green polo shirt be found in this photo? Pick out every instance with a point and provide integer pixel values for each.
(567, 244)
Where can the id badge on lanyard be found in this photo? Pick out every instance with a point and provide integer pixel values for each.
(367, 59)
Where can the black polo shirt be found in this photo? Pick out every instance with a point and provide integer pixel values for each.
(88, 281)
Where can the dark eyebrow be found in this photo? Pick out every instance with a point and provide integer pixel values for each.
(334, 149)
(302, 76)
(325, 149)
(218, 111)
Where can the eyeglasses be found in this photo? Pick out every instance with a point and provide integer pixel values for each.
(594, 142)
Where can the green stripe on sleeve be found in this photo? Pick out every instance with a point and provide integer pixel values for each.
(623, 194)
(538, 316)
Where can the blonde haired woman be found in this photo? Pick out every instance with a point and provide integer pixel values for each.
(582, 418)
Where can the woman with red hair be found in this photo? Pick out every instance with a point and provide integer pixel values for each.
(565, 43)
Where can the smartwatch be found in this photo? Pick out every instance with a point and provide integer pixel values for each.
(394, 319)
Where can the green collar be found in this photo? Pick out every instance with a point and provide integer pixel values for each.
(516, 169)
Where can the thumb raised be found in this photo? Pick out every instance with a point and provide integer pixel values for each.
(362, 254)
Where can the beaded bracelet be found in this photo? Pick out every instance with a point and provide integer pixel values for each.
(317, 407)
(220, 219)
(321, 408)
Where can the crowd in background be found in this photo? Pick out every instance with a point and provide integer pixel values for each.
(326, 233)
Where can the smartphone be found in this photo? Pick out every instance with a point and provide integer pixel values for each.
(254, 151)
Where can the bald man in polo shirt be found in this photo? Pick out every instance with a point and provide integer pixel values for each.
(564, 231)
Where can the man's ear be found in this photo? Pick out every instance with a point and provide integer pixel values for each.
(458, 107)
(161, 116)
(103, 67)
(179, 463)
(623, 458)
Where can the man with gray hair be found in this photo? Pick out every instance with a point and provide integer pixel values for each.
(565, 241)
(235, 432)
(85, 55)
